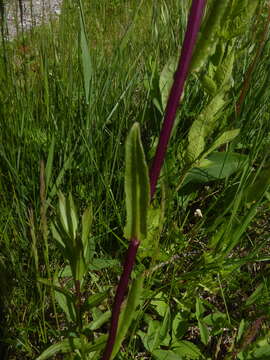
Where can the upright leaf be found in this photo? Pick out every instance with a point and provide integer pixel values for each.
(86, 59)
(129, 312)
(137, 186)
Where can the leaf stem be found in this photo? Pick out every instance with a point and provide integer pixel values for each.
(120, 294)
(194, 21)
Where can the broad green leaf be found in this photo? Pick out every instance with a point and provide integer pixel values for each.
(204, 332)
(199, 308)
(224, 72)
(49, 164)
(95, 300)
(187, 350)
(166, 355)
(166, 80)
(203, 126)
(218, 165)
(151, 339)
(166, 325)
(255, 295)
(101, 320)
(137, 186)
(224, 138)
(129, 312)
(99, 264)
(66, 302)
(160, 304)
(155, 224)
(86, 58)
(209, 85)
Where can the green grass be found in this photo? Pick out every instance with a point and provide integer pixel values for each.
(223, 256)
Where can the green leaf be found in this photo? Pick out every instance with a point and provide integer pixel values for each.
(149, 248)
(166, 355)
(203, 126)
(128, 314)
(166, 80)
(204, 332)
(101, 320)
(224, 72)
(99, 264)
(166, 324)
(151, 340)
(63, 297)
(88, 248)
(187, 350)
(224, 138)
(71, 344)
(95, 300)
(86, 59)
(255, 295)
(137, 186)
(209, 85)
(218, 165)
(199, 308)
(66, 302)
(207, 42)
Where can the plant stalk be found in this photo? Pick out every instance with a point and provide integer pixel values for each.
(120, 294)
(193, 26)
(194, 21)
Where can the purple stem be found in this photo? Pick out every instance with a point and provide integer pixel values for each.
(120, 294)
(193, 26)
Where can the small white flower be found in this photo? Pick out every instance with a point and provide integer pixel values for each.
(198, 213)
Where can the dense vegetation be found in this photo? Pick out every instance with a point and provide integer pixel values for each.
(70, 92)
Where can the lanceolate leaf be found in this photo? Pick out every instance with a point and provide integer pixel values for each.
(224, 138)
(137, 186)
(166, 80)
(129, 312)
(218, 165)
(209, 35)
(202, 127)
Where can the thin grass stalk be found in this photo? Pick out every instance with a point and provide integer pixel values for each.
(194, 22)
